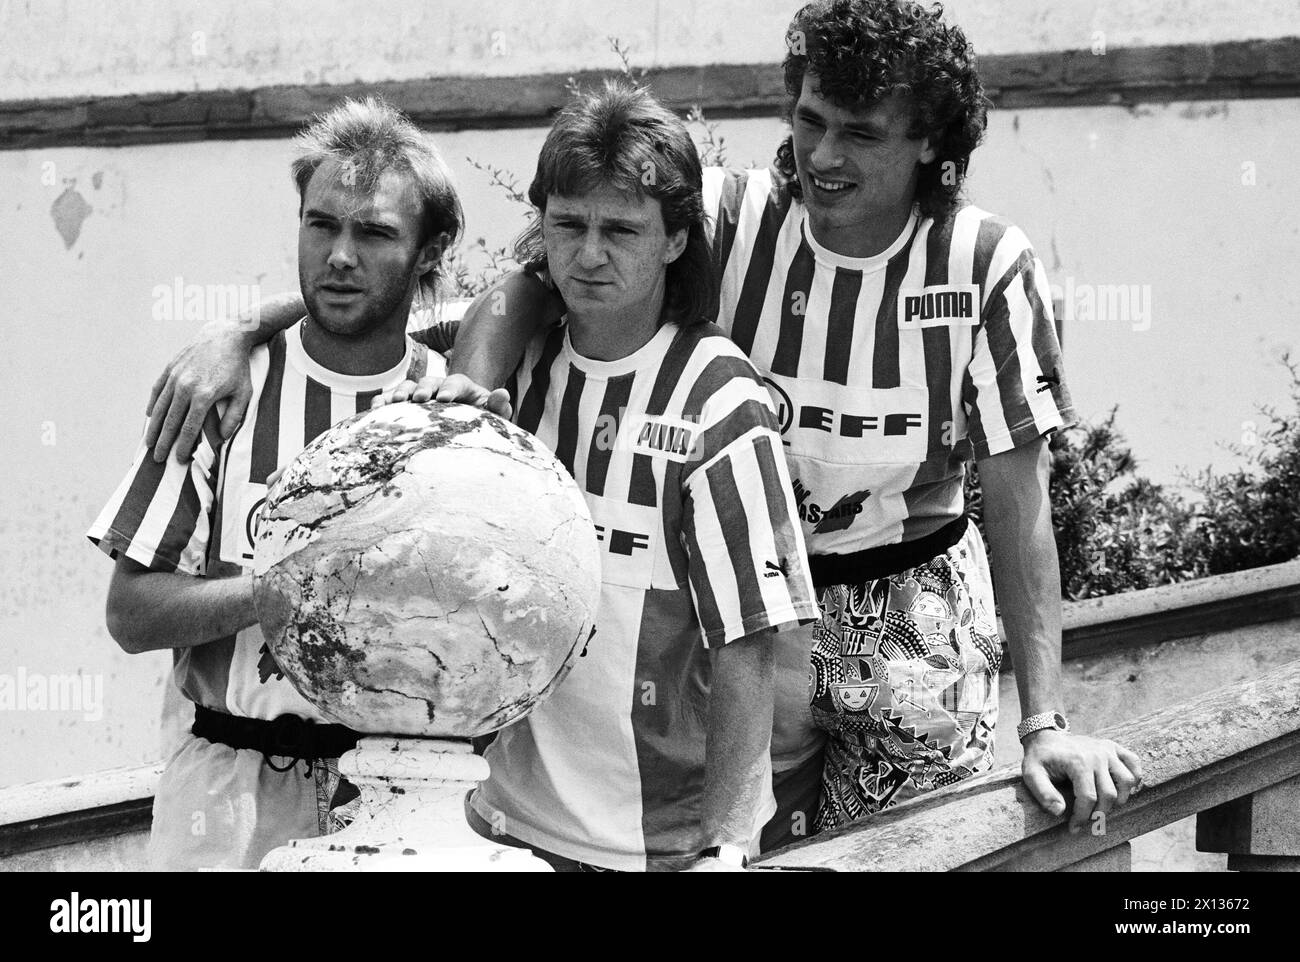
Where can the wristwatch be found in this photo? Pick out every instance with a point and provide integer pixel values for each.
(1035, 723)
(727, 854)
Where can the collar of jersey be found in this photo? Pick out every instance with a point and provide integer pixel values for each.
(642, 357)
(297, 355)
(866, 265)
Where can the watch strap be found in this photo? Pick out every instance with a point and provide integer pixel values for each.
(1047, 719)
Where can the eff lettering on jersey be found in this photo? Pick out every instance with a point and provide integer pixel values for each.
(944, 305)
(661, 437)
(628, 538)
(842, 424)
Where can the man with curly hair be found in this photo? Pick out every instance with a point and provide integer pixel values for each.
(901, 334)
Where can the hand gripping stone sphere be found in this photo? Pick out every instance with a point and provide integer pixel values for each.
(425, 569)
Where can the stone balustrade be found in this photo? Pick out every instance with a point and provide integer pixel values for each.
(1230, 756)
(1233, 756)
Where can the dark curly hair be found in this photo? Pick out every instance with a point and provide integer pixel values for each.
(615, 137)
(861, 51)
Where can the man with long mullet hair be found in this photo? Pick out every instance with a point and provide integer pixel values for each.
(654, 753)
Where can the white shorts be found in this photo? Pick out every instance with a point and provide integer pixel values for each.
(219, 807)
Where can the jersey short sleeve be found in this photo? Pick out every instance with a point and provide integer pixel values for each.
(1014, 388)
(160, 516)
(747, 562)
(440, 336)
(437, 329)
(715, 181)
(725, 194)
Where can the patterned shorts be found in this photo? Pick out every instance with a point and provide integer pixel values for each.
(904, 681)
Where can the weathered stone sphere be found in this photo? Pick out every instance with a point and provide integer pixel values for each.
(425, 569)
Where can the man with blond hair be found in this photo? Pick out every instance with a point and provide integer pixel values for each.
(377, 208)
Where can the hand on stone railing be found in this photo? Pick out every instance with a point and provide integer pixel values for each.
(455, 388)
(1103, 774)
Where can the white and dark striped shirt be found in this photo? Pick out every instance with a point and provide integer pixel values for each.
(677, 452)
(888, 372)
(199, 518)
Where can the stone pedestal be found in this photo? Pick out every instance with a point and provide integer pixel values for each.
(411, 816)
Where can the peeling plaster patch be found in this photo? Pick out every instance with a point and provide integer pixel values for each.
(1195, 111)
(70, 211)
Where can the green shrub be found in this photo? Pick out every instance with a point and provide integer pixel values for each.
(1116, 531)
(1254, 511)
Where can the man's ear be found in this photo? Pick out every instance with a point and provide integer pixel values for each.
(431, 253)
(928, 152)
(676, 245)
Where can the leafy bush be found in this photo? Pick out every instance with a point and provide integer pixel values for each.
(476, 267)
(1116, 531)
(1255, 510)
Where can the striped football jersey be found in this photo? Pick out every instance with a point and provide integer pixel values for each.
(888, 372)
(676, 449)
(200, 518)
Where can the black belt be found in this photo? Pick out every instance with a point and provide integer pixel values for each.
(288, 735)
(863, 566)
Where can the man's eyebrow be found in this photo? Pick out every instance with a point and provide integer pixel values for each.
(633, 221)
(860, 126)
(865, 126)
(367, 224)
